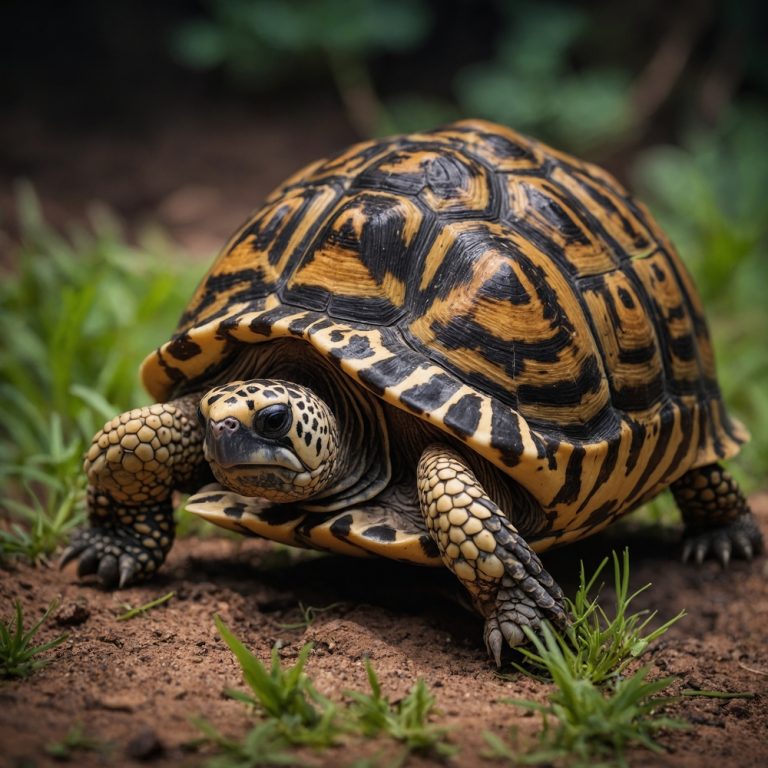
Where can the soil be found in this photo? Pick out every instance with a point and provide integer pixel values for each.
(135, 685)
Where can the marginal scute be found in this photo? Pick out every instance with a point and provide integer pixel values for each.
(512, 296)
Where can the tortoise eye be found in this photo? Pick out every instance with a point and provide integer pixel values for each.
(273, 421)
(200, 417)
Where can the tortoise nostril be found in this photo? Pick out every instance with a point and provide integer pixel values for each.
(228, 425)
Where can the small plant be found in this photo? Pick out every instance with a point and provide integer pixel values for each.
(285, 696)
(406, 721)
(595, 647)
(74, 741)
(17, 654)
(265, 744)
(133, 612)
(308, 615)
(584, 722)
(297, 714)
(594, 712)
(46, 510)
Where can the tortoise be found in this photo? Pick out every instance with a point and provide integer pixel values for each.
(456, 347)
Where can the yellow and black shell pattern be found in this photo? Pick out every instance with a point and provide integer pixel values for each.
(511, 295)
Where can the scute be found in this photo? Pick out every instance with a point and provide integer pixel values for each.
(363, 239)
(515, 297)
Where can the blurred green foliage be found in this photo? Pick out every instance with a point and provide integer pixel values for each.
(78, 315)
(587, 77)
(267, 43)
(530, 82)
(270, 39)
(709, 193)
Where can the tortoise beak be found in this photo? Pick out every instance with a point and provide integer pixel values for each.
(229, 443)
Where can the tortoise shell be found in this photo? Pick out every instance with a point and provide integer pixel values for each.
(513, 296)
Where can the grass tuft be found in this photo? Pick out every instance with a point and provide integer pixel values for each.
(296, 714)
(596, 647)
(583, 722)
(17, 653)
(74, 741)
(406, 721)
(133, 612)
(309, 614)
(285, 696)
(265, 744)
(595, 711)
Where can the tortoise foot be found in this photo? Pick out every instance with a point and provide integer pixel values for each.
(124, 544)
(117, 558)
(476, 540)
(740, 538)
(516, 608)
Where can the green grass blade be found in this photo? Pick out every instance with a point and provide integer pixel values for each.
(133, 612)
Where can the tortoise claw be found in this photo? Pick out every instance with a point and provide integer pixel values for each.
(493, 641)
(723, 551)
(89, 562)
(512, 632)
(743, 542)
(740, 538)
(517, 608)
(68, 555)
(116, 557)
(128, 569)
(745, 549)
(107, 571)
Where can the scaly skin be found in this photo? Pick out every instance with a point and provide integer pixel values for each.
(133, 465)
(717, 517)
(503, 575)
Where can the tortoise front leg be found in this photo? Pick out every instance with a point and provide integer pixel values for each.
(503, 575)
(717, 517)
(133, 465)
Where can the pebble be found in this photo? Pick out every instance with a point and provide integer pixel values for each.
(120, 702)
(73, 614)
(144, 745)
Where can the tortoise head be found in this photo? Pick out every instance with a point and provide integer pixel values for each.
(269, 438)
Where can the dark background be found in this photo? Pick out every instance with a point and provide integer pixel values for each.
(129, 102)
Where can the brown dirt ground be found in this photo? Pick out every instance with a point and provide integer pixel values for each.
(135, 685)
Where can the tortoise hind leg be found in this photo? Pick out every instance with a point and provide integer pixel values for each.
(133, 465)
(717, 517)
(503, 575)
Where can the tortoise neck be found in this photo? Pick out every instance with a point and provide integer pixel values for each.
(361, 467)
